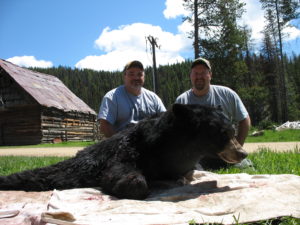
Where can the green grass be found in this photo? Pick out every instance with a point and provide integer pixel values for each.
(276, 136)
(266, 161)
(13, 164)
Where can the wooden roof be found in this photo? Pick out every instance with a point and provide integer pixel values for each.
(46, 89)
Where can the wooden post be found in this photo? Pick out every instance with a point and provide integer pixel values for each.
(153, 43)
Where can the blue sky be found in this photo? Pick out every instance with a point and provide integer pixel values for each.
(104, 35)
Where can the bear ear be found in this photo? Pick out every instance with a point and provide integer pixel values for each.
(180, 110)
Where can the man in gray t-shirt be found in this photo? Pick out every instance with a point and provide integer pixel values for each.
(203, 92)
(218, 96)
(128, 103)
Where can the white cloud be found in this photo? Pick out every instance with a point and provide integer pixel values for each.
(291, 33)
(129, 42)
(254, 18)
(112, 61)
(185, 27)
(174, 8)
(29, 61)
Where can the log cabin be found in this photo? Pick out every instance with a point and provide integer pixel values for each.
(38, 108)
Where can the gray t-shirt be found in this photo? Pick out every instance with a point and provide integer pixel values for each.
(121, 108)
(231, 104)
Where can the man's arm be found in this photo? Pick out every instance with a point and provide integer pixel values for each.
(243, 128)
(106, 128)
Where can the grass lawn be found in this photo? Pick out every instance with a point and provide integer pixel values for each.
(13, 164)
(276, 136)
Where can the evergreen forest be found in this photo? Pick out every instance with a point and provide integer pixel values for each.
(255, 83)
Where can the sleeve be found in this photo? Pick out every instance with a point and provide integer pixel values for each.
(182, 99)
(108, 109)
(179, 100)
(160, 105)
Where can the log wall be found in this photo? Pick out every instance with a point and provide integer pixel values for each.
(20, 126)
(58, 126)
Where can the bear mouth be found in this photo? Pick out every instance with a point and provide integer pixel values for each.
(233, 152)
(228, 160)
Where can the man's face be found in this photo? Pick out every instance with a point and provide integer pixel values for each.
(134, 78)
(200, 77)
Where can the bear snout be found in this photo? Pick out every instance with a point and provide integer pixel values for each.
(233, 152)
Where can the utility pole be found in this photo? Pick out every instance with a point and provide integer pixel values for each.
(153, 43)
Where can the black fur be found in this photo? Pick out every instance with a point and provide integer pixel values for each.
(163, 147)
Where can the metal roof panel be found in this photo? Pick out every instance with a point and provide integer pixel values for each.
(46, 89)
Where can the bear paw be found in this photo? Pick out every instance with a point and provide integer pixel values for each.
(131, 186)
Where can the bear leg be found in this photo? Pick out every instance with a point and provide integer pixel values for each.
(123, 181)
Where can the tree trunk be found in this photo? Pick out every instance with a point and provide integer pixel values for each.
(282, 71)
(196, 28)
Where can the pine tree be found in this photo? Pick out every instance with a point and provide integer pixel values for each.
(278, 13)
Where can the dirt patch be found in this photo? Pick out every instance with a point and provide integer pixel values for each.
(51, 151)
(274, 146)
(71, 151)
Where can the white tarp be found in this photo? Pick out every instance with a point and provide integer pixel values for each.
(209, 198)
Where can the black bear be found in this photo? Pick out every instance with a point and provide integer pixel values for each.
(157, 148)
